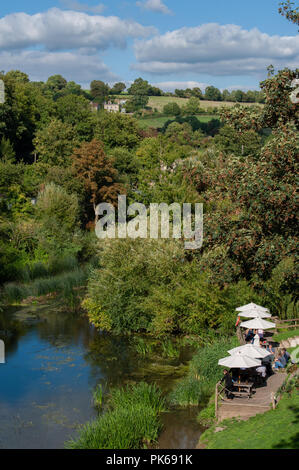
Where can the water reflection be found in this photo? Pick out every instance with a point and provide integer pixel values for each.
(53, 362)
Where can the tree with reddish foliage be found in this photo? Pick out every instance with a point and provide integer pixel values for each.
(100, 178)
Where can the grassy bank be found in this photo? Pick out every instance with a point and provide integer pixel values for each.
(63, 284)
(130, 422)
(275, 429)
(203, 374)
(286, 335)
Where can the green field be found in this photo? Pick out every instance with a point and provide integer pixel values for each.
(159, 102)
(156, 122)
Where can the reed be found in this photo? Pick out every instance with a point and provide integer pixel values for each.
(128, 428)
(63, 283)
(203, 374)
(131, 421)
(169, 349)
(142, 394)
(98, 396)
(41, 270)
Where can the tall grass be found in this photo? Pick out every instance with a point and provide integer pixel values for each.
(143, 394)
(203, 374)
(63, 283)
(131, 421)
(169, 349)
(51, 268)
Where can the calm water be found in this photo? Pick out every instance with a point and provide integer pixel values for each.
(54, 360)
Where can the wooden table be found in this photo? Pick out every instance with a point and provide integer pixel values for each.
(243, 388)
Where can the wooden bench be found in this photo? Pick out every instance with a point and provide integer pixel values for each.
(243, 389)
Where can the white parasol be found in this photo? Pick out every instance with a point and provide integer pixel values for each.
(250, 350)
(239, 360)
(258, 324)
(254, 313)
(252, 306)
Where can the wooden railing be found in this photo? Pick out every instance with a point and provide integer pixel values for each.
(286, 324)
(218, 390)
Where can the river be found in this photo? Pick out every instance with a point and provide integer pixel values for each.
(54, 360)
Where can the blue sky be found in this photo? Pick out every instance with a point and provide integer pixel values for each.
(171, 43)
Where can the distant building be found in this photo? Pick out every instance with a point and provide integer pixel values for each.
(112, 107)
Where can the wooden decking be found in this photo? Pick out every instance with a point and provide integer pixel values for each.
(260, 401)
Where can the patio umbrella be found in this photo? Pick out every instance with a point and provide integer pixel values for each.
(254, 313)
(239, 360)
(252, 306)
(251, 351)
(258, 324)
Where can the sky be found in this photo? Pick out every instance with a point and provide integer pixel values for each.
(171, 43)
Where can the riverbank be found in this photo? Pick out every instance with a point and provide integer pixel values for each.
(274, 429)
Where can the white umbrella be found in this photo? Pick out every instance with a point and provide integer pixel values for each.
(250, 350)
(238, 360)
(254, 313)
(252, 306)
(258, 324)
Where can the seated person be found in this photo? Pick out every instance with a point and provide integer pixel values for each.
(280, 362)
(228, 384)
(260, 333)
(285, 355)
(271, 349)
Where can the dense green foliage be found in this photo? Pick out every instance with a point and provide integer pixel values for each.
(130, 422)
(59, 158)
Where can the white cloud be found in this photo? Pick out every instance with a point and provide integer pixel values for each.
(215, 50)
(39, 65)
(57, 30)
(157, 6)
(78, 6)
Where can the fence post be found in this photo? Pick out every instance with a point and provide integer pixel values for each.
(216, 402)
(273, 400)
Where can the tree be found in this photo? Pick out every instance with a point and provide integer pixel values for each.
(99, 91)
(97, 171)
(75, 110)
(197, 93)
(192, 106)
(287, 9)
(139, 87)
(245, 143)
(172, 109)
(7, 152)
(57, 214)
(56, 85)
(155, 91)
(238, 96)
(226, 96)
(118, 88)
(179, 93)
(212, 93)
(117, 130)
(19, 114)
(136, 102)
(55, 143)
